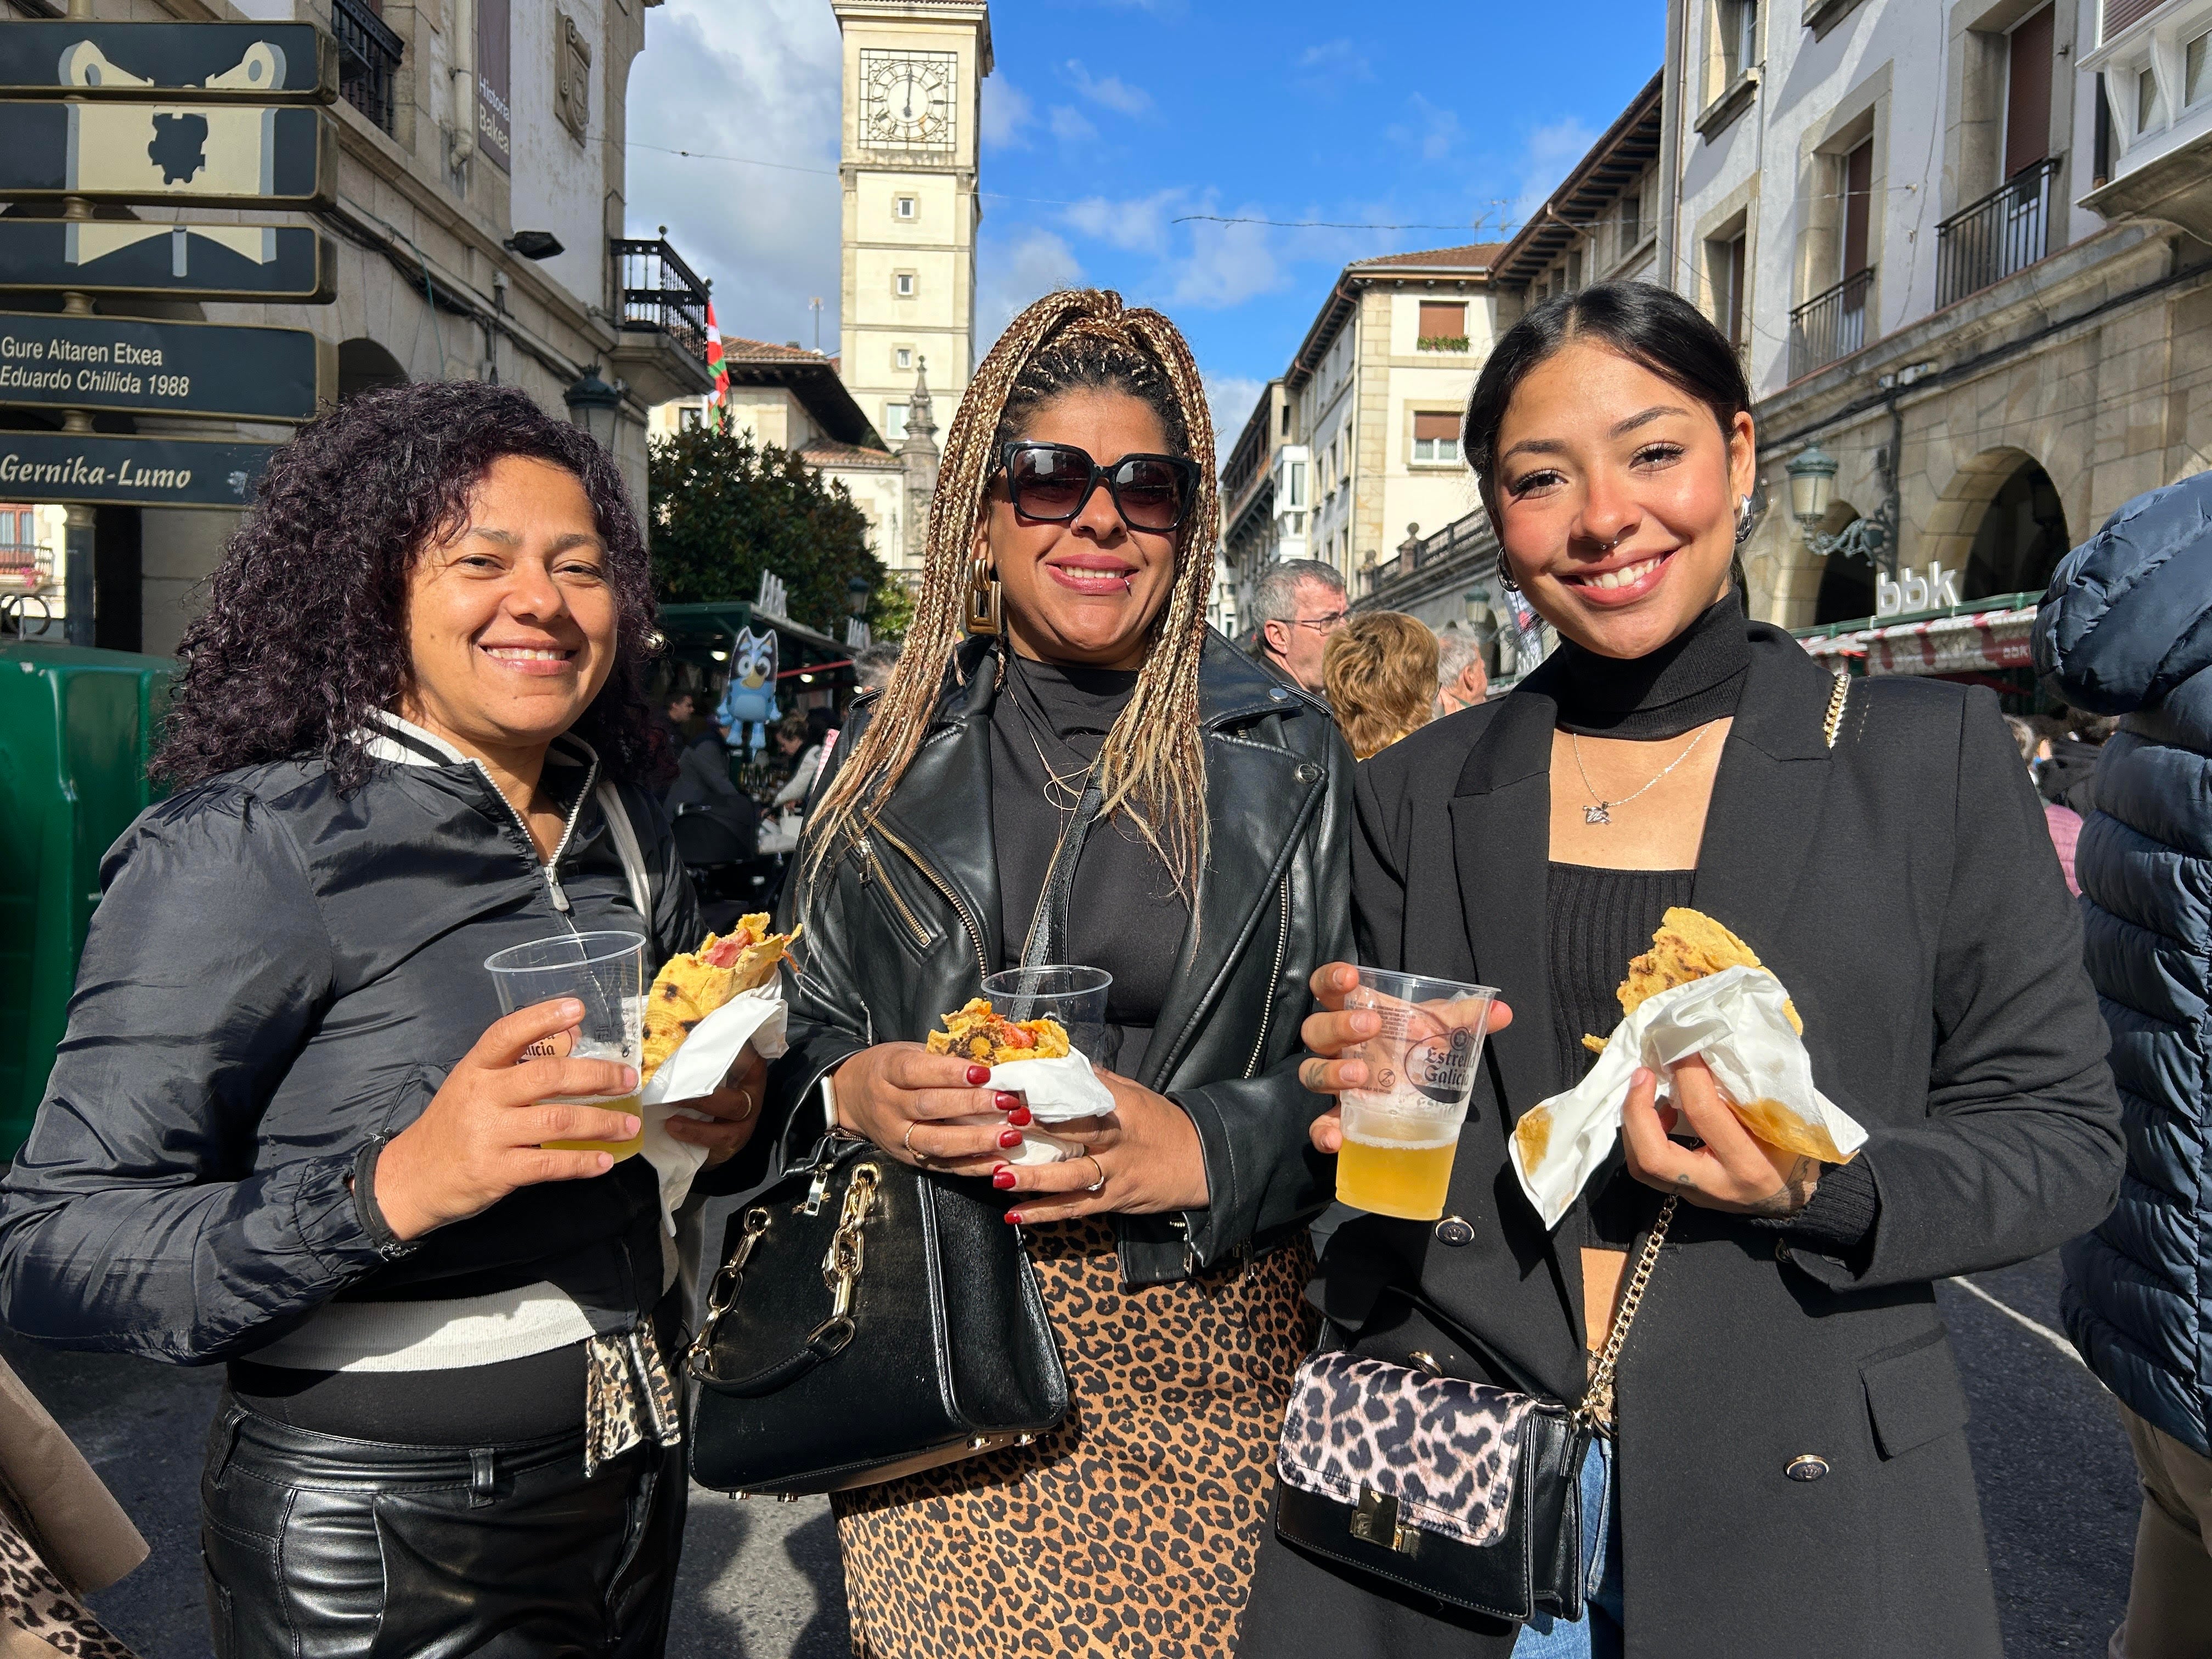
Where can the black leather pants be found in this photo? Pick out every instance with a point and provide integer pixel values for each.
(318, 1546)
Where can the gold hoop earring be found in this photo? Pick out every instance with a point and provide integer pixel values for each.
(987, 610)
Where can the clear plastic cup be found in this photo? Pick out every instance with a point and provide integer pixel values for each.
(1073, 995)
(605, 972)
(1400, 1133)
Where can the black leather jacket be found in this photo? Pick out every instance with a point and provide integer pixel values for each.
(902, 926)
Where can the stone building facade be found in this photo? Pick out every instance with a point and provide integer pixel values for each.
(463, 123)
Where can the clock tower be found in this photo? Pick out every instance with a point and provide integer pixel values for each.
(914, 76)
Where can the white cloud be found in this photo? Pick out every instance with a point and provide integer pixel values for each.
(761, 82)
(1227, 265)
(1333, 61)
(1137, 226)
(1430, 129)
(1007, 111)
(1112, 91)
(1036, 264)
(1230, 398)
(1545, 158)
(1069, 125)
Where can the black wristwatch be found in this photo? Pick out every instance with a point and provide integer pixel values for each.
(389, 1245)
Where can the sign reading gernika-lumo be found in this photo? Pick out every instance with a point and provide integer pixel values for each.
(187, 368)
(70, 466)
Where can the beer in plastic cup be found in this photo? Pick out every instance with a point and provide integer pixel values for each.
(1400, 1131)
(605, 972)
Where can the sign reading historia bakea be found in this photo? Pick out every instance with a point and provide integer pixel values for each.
(94, 468)
(275, 264)
(172, 368)
(259, 63)
(207, 155)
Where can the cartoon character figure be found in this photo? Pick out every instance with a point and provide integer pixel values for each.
(750, 699)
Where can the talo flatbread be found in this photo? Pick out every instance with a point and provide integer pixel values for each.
(692, 984)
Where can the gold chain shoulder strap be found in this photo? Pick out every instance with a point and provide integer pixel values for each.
(1595, 1413)
(1834, 723)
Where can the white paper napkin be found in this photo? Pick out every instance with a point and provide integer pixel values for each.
(697, 1068)
(1056, 1090)
(1735, 1020)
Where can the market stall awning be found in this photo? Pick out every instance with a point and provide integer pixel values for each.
(694, 631)
(1986, 634)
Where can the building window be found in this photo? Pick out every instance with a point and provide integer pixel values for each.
(2193, 85)
(690, 418)
(1739, 21)
(1575, 271)
(1435, 438)
(2148, 105)
(2027, 93)
(1442, 326)
(1725, 267)
(905, 208)
(903, 285)
(1295, 488)
(902, 357)
(894, 421)
(1632, 220)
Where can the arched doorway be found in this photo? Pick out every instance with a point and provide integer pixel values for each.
(1846, 589)
(363, 366)
(2020, 539)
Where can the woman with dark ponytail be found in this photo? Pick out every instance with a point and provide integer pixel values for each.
(1060, 669)
(1781, 1465)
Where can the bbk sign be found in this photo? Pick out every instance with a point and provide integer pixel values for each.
(1913, 592)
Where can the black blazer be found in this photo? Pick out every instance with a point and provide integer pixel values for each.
(1902, 884)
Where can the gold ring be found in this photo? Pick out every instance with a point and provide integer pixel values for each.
(1101, 1168)
(906, 1145)
(751, 1106)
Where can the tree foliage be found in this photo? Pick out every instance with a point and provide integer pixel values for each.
(725, 508)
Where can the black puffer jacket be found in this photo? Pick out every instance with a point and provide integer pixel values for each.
(275, 975)
(901, 929)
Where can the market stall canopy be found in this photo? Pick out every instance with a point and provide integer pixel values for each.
(1988, 634)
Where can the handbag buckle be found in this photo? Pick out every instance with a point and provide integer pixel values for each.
(1375, 1522)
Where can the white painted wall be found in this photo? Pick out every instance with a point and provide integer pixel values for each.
(558, 182)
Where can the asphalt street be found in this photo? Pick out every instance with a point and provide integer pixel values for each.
(761, 1580)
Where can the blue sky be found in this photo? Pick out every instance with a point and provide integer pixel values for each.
(1108, 124)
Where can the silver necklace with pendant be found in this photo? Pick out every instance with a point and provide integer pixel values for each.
(1602, 811)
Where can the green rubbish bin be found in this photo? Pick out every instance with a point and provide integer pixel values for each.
(76, 728)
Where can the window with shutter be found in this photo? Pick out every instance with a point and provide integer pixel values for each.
(1858, 203)
(2121, 15)
(1443, 327)
(2027, 94)
(1436, 436)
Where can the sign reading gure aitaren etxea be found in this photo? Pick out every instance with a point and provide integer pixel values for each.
(184, 368)
(95, 468)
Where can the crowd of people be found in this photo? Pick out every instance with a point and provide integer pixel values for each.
(290, 1131)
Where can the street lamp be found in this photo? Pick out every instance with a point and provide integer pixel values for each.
(595, 406)
(1812, 492)
(857, 590)
(1812, 484)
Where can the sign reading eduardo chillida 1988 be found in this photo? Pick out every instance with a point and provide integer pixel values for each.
(95, 468)
(183, 369)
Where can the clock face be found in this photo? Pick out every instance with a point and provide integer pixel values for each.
(906, 99)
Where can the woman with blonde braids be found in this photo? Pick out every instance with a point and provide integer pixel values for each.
(1059, 674)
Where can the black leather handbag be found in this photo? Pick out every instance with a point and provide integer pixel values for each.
(870, 1320)
(1464, 1491)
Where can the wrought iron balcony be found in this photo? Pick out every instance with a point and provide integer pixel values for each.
(661, 294)
(368, 59)
(2008, 230)
(1830, 324)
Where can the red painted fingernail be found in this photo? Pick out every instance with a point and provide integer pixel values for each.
(1010, 1137)
(1006, 1102)
(1003, 1179)
(978, 1075)
(1013, 1218)
(1019, 1117)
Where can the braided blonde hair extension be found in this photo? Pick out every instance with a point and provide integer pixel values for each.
(1152, 766)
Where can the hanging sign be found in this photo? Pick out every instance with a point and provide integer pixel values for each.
(207, 155)
(95, 468)
(247, 373)
(273, 263)
(261, 63)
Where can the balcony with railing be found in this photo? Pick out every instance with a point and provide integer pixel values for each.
(1832, 324)
(2007, 231)
(664, 319)
(368, 60)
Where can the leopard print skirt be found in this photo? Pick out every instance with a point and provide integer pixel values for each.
(35, 1603)
(1130, 1531)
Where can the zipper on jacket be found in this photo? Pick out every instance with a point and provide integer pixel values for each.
(872, 868)
(1274, 980)
(975, 929)
(550, 869)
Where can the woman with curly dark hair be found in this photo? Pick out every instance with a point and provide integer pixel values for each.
(288, 1129)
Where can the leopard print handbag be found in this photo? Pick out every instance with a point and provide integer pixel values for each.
(1464, 1491)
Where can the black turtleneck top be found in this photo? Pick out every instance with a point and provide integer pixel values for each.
(1599, 918)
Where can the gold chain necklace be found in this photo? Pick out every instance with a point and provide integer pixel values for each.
(1601, 811)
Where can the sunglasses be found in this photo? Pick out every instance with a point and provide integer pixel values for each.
(1051, 483)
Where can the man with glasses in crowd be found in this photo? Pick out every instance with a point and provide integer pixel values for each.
(1298, 604)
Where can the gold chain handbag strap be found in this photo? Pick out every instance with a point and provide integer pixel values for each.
(1595, 1413)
